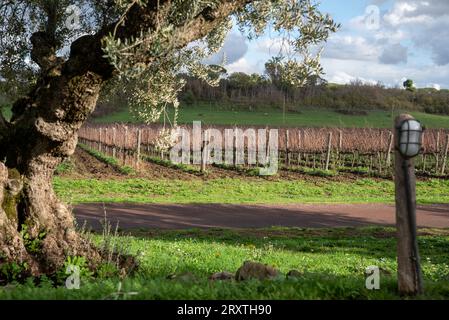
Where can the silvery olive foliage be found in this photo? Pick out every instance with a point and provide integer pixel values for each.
(155, 58)
(160, 83)
(302, 28)
(299, 23)
(62, 20)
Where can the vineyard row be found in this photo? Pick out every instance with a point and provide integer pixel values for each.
(367, 150)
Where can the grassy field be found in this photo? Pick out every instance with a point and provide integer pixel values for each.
(225, 115)
(332, 263)
(242, 191)
(274, 117)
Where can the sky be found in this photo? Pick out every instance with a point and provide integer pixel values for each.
(385, 41)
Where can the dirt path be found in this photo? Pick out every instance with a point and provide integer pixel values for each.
(174, 216)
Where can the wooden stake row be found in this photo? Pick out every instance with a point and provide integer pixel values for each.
(293, 156)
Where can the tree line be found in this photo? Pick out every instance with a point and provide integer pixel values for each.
(242, 91)
(254, 91)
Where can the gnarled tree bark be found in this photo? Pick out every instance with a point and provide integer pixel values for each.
(43, 132)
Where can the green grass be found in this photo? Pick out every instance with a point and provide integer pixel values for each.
(332, 263)
(65, 167)
(242, 191)
(274, 117)
(167, 163)
(252, 172)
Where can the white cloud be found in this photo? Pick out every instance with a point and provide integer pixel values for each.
(235, 47)
(345, 71)
(243, 65)
(394, 54)
(424, 23)
(402, 13)
(435, 86)
(275, 46)
(412, 41)
(348, 47)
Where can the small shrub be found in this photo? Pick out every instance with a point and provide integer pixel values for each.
(33, 245)
(76, 261)
(107, 270)
(13, 271)
(65, 167)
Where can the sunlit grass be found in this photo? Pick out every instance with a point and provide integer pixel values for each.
(332, 263)
(224, 114)
(242, 191)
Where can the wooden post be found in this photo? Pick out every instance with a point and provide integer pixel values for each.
(125, 145)
(93, 144)
(139, 143)
(204, 153)
(99, 139)
(114, 136)
(329, 149)
(106, 141)
(379, 158)
(340, 140)
(423, 156)
(446, 150)
(390, 147)
(147, 141)
(437, 153)
(409, 270)
(340, 147)
(299, 147)
(287, 149)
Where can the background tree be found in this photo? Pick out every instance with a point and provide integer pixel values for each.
(72, 57)
(275, 70)
(284, 80)
(409, 85)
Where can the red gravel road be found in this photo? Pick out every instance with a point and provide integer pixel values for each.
(171, 216)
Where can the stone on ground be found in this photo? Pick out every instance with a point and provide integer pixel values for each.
(292, 274)
(220, 276)
(255, 270)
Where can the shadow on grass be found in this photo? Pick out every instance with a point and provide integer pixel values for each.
(308, 287)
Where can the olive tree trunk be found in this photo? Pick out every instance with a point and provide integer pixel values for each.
(35, 227)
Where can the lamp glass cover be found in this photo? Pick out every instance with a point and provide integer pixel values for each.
(410, 138)
(411, 151)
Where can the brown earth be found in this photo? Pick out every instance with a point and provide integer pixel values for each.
(87, 166)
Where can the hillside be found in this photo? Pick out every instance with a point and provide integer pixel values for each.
(308, 117)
